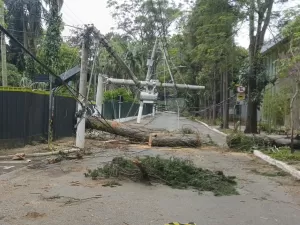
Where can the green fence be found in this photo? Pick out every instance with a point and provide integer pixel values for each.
(128, 109)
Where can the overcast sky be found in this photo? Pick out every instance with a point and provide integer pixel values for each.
(79, 12)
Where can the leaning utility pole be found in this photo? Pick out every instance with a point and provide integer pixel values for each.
(3, 47)
(150, 63)
(81, 113)
(147, 89)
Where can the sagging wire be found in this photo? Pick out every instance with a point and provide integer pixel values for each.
(69, 88)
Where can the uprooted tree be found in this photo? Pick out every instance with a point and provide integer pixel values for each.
(153, 137)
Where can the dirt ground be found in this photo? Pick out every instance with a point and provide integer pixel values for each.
(61, 194)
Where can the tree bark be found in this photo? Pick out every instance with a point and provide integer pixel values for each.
(292, 116)
(174, 140)
(214, 99)
(264, 12)
(144, 135)
(221, 98)
(225, 101)
(251, 123)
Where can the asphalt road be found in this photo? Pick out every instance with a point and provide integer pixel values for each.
(170, 121)
(61, 194)
(9, 166)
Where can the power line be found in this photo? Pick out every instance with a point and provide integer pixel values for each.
(77, 18)
(72, 26)
(70, 89)
(35, 59)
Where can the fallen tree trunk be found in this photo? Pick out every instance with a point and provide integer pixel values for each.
(117, 129)
(144, 135)
(174, 140)
(283, 141)
(248, 142)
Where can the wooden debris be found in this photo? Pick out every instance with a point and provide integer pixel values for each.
(19, 156)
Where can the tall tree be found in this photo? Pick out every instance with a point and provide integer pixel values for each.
(53, 39)
(141, 22)
(289, 66)
(24, 20)
(211, 50)
(144, 20)
(259, 14)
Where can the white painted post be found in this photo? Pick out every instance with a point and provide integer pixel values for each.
(120, 105)
(140, 112)
(80, 134)
(153, 110)
(100, 94)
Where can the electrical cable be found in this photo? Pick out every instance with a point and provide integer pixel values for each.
(70, 89)
(75, 16)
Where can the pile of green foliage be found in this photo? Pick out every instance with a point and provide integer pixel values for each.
(241, 142)
(173, 172)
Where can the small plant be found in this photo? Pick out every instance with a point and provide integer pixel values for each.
(241, 142)
(284, 154)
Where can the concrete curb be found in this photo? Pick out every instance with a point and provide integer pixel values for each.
(211, 128)
(41, 154)
(281, 165)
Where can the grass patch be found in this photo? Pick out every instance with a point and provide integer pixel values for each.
(284, 154)
(174, 172)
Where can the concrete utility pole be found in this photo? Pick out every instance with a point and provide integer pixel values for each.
(150, 62)
(148, 77)
(80, 134)
(100, 93)
(147, 88)
(3, 47)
